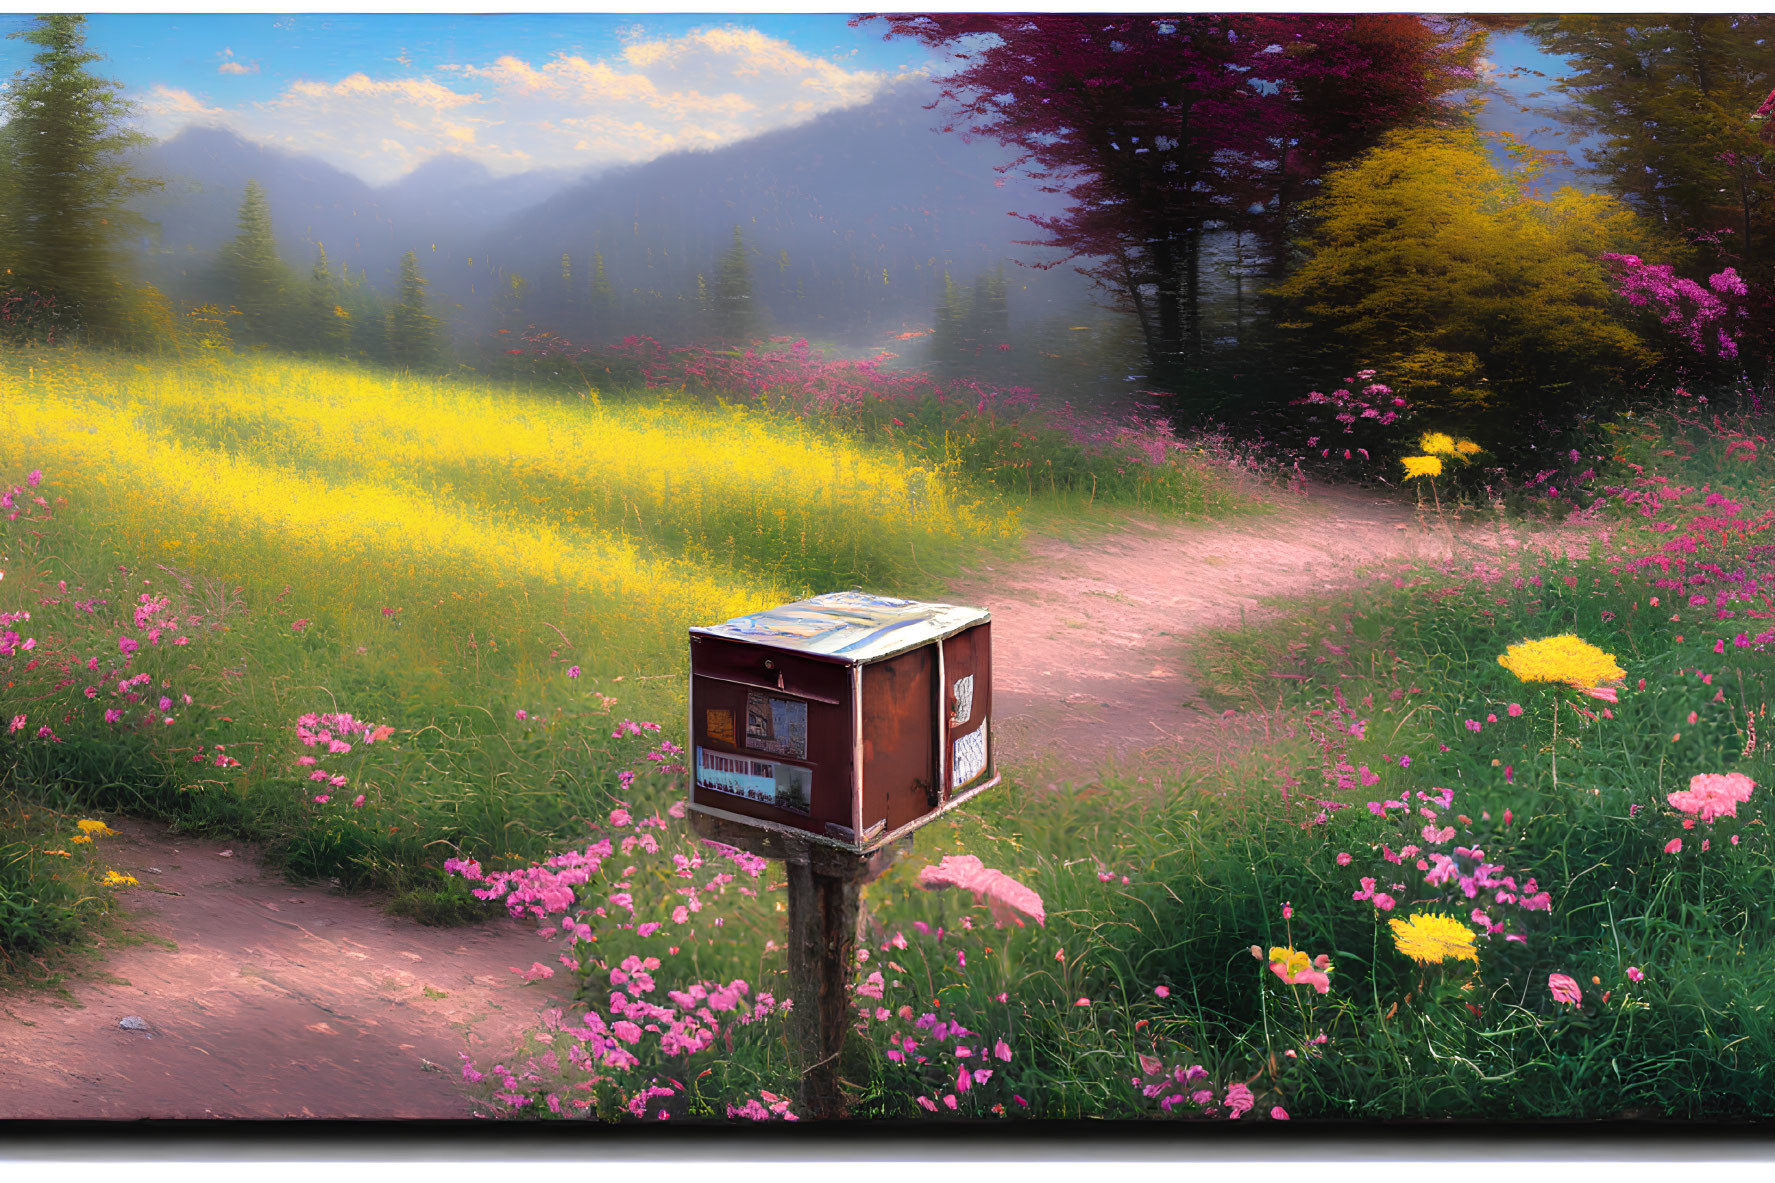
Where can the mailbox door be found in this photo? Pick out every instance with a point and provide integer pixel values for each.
(771, 742)
(967, 707)
(899, 740)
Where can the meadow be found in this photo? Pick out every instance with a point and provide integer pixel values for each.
(491, 569)
(425, 636)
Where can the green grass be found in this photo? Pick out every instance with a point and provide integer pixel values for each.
(434, 555)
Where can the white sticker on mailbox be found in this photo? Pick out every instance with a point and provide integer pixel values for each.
(970, 757)
(786, 786)
(964, 701)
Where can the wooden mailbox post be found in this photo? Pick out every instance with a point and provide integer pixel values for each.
(823, 733)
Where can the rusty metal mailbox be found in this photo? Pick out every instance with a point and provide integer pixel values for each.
(849, 718)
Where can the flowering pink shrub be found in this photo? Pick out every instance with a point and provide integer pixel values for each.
(1706, 319)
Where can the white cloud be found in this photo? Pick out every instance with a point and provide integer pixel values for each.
(704, 89)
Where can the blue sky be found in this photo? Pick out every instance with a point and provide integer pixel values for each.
(378, 94)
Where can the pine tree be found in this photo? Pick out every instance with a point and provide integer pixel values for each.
(509, 305)
(732, 314)
(326, 323)
(601, 300)
(70, 183)
(257, 281)
(366, 317)
(989, 323)
(412, 332)
(949, 353)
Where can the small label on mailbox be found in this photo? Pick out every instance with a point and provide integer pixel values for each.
(720, 726)
(969, 758)
(774, 783)
(776, 725)
(964, 701)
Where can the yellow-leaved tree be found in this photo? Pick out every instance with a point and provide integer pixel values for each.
(1469, 289)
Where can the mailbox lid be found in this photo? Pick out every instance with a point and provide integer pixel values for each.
(848, 627)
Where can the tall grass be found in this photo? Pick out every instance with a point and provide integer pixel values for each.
(500, 576)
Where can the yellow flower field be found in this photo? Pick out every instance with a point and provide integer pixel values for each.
(363, 490)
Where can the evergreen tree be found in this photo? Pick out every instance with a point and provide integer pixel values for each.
(412, 332)
(989, 320)
(510, 304)
(569, 298)
(366, 317)
(949, 350)
(601, 299)
(69, 182)
(326, 323)
(257, 281)
(732, 314)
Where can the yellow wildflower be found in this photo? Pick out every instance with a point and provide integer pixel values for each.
(1431, 938)
(95, 828)
(1566, 658)
(113, 879)
(81, 838)
(1437, 443)
(1467, 447)
(1416, 466)
(62, 853)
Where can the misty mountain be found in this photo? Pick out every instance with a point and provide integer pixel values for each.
(206, 169)
(850, 222)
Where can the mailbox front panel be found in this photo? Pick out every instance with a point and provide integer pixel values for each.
(772, 742)
(899, 740)
(967, 706)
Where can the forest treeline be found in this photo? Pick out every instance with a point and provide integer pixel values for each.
(1264, 203)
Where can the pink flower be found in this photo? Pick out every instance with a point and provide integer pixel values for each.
(1279, 1113)
(1712, 795)
(1083, 1002)
(358, 800)
(1162, 991)
(1513, 710)
(1002, 1050)
(573, 671)
(1674, 846)
(522, 714)
(1634, 973)
(1343, 858)
(1287, 911)
(1239, 1099)
(1003, 894)
(619, 817)
(1564, 989)
(322, 799)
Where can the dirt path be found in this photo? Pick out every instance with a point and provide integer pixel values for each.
(1089, 639)
(274, 1001)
